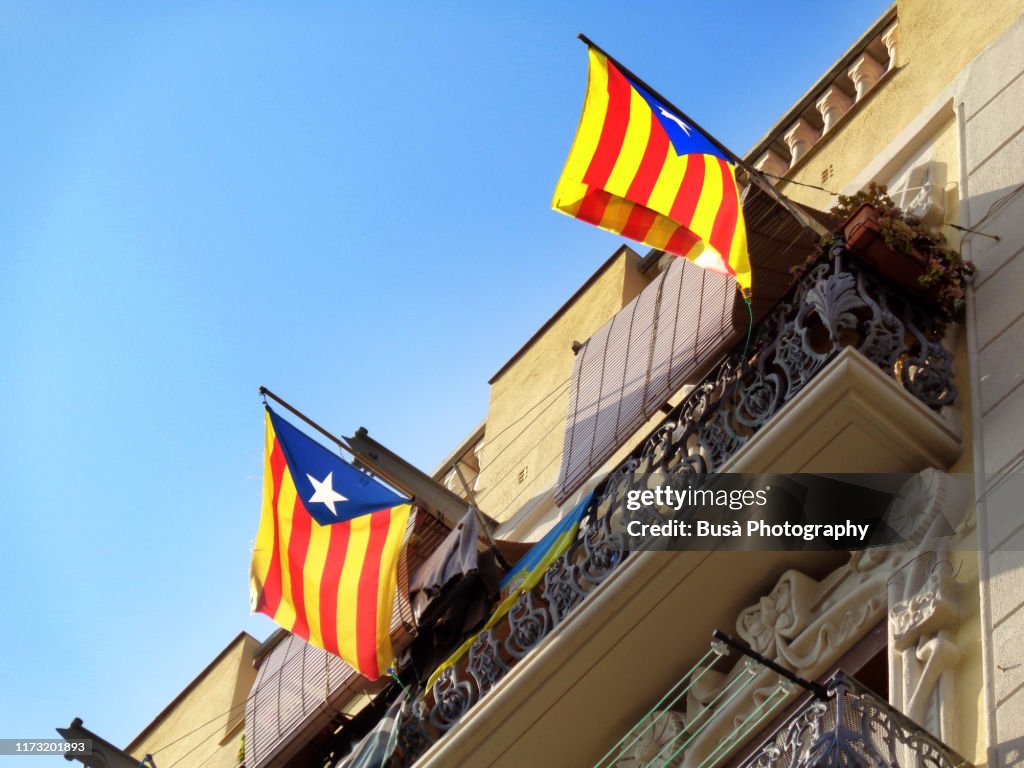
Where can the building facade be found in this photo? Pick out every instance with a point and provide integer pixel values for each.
(926, 102)
(609, 661)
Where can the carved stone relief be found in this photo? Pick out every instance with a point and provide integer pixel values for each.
(808, 625)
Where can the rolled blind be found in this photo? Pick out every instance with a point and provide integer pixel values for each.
(631, 366)
(678, 325)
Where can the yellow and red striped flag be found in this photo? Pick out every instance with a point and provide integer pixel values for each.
(639, 169)
(325, 561)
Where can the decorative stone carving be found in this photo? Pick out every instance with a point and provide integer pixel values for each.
(929, 509)
(799, 138)
(803, 623)
(865, 72)
(932, 609)
(924, 605)
(779, 616)
(833, 104)
(807, 625)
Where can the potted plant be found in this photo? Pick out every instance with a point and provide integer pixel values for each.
(901, 247)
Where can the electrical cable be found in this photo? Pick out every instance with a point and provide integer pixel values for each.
(522, 432)
(268, 678)
(559, 386)
(487, 491)
(799, 183)
(201, 726)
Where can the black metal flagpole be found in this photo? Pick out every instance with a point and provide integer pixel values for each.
(336, 440)
(755, 175)
(819, 691)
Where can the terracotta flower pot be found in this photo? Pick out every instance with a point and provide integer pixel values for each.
(863, 233)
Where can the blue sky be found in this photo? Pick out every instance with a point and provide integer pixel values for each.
(347, 203)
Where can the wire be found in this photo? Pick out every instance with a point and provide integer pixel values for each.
(745, 678)
(522, 432)
(490, 440)
(618, 751)
(540, 471)
(799, 183)
(266, 679)
(270, 677)
(203, 725)
(746, 348)
(197, 746)
(750, 330)
(487, 491)
(741, 731)
(998, 204)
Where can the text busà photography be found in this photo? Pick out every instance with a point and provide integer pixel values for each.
(573, 385)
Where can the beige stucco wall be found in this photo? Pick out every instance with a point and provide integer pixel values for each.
(937, 39)
(991, 120)
(959, 91)
(953, 56)
(970, 58)
(208, 716)
(520, 436)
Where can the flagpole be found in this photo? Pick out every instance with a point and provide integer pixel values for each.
(337, 441)
(755, 176)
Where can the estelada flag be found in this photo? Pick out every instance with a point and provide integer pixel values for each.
(325, 561)
(639, 169)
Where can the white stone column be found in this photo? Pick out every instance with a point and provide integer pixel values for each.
(771, 162)
(891, 40)
(833, 104)
(799, 138)
(864, 73)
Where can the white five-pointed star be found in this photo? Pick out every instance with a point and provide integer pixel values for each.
(323, 491)
(675, 119)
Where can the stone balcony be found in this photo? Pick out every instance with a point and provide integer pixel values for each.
(846, 374)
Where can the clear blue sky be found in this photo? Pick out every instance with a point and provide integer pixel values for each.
(345, 202)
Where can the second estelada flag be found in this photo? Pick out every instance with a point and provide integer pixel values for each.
(640, 170)
(325, 561)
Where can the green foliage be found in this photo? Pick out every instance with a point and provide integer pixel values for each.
(873, 194)
(946, 272)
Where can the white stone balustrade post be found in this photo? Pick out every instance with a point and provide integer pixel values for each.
(891, 40)
(864, 73)
(799, 138)
(833, 104)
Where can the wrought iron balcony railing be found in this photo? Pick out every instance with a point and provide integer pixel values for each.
(855, 727)
(836, 305)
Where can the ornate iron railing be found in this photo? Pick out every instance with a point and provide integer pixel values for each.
(836, 305)
(855, 727)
